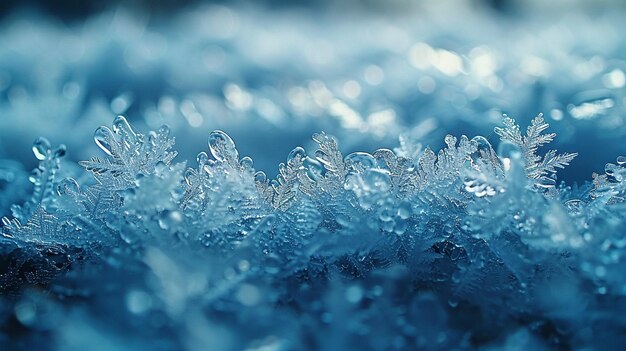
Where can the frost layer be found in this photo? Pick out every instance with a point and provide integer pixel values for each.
(409, 248)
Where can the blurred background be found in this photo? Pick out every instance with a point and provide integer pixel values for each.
(271, 73)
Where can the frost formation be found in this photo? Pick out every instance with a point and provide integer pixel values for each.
(463, 248)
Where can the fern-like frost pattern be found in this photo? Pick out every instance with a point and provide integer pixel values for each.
(408, 249)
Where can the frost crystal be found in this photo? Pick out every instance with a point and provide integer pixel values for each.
(388, 236)
(541, 169)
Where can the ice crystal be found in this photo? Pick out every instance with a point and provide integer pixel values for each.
(611, 185)
(128, 154)
(540, 168)
(375, 240)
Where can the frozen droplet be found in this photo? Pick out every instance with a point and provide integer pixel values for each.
(275, 184)
(41, 148)
(123, 128)
(450, 141)
(247, 164)
(315, 170)
(483, 148)
(190, 176)
(59, 151)
(282, 168)
(360, 161)
(260, 177)
(202, 159)
(296, 155)
(613, 172)
(222, 147)
(67, 185)
(34, 176)
(164, 131)
(621, 160)
(104, 138)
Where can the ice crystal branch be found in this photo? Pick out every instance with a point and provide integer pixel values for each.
(128, 154)
(461, 223)
(541, 169)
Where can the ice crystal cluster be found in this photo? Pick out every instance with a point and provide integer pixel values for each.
(463, 248)
(424, 241)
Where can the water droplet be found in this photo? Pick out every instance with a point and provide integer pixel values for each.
(104, 138)
(164, 131)
(41, 148)
(621, 160)
(67, 185)
(222, 147)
